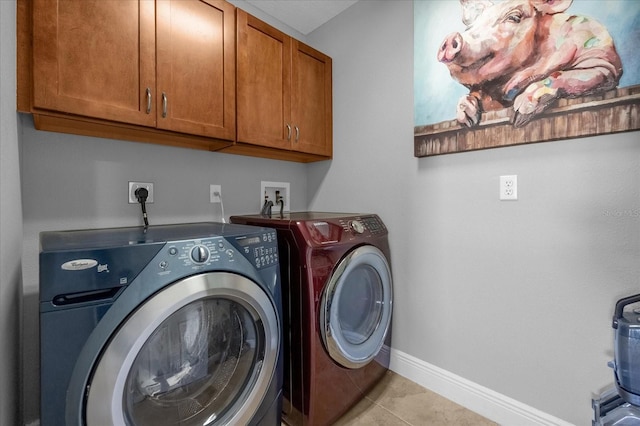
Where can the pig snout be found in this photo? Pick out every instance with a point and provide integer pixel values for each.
(450, 47)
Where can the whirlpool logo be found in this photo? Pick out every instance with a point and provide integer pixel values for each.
(79, 264)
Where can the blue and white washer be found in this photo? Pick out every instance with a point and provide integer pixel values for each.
(165, 325)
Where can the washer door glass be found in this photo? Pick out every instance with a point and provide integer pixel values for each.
(202, 351)
(356, 307)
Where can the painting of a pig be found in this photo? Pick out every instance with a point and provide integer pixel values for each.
(525, 54)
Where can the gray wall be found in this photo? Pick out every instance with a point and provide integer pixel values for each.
(10, 223)
(515, 296)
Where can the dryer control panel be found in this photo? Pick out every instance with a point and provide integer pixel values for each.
(331, 230)
(363, 224)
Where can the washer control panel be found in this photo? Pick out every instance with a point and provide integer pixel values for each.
(260, 249)
(200, 254)
(195, 254)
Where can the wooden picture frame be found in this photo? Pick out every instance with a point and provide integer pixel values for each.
(446, 75)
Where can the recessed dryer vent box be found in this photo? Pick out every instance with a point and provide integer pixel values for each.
(269, 189)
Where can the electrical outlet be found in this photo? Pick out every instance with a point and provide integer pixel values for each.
(215, 193)
(132, 191)
(509, 187)
(268, 189)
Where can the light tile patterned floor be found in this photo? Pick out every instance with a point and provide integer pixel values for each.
(397, 401)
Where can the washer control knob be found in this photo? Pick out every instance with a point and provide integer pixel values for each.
(199, 254)
(356, 226)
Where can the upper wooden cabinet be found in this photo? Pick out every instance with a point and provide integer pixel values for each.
(284, 92)
(178, 72)
(95, 58)
(196, 67)
(168, 64)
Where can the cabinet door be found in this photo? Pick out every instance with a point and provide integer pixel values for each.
(95, 58)
(196, 67)
(311, 104)
(264, 81)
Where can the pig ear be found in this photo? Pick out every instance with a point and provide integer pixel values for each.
(550, 7)
(471, 9)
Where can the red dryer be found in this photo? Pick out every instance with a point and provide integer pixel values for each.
(337, 303)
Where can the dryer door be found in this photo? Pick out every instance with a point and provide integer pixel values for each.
(202, 351)
(356, 307)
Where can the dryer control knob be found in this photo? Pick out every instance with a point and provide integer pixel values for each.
(199, 254)
(356, 226)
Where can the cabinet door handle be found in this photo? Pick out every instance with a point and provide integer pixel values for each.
(148, 101)
(164, 105)
(297, 133)
(288, 132)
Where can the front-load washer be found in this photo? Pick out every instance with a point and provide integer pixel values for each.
(337, 303)
(163, 325)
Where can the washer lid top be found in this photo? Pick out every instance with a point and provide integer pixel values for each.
(128, 236)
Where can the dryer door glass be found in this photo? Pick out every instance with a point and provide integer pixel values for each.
(356, 307)
(202, 351)
(360, 306)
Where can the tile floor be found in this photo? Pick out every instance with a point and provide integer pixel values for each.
(397, 401)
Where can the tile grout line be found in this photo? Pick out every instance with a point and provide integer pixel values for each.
(388, 411)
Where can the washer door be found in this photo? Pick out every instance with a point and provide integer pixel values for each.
(202, 351)
(356, 307)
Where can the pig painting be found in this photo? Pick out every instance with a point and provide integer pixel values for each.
(525, 54)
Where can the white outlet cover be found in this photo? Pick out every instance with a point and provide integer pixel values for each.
(135, 185)
(509, 188)
(215, 193)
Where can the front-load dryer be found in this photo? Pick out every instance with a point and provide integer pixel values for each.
(337, 303)
(164, 325)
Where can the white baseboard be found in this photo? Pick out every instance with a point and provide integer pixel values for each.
(492, 405)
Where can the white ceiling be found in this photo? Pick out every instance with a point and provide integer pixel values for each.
(302, 15)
